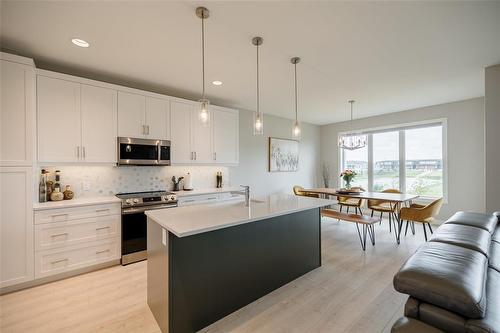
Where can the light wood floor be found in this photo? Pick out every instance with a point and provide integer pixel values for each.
(351, 292)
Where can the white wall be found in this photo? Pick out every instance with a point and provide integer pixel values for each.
(465, 148)
(492, 137)
(254, 151)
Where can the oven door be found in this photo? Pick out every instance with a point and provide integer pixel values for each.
(133, 151)
(134, 233)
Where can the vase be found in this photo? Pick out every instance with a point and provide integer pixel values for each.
(57, 195)
(348, 184)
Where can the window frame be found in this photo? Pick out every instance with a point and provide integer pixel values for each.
(402, 151)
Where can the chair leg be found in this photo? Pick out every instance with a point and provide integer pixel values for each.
(412, 228)
(347, 209)
(390, 223)
(372, 213)
(406, 229)
(425, 231)
(381, 215)
(360, 211)
(341, 208)
(430, 228)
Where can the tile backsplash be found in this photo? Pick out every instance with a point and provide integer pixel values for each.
(93, 181)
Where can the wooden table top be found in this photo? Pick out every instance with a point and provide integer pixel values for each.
(394, 197)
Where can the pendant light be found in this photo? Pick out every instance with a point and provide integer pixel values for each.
(204, 112)
(296, 126)
(258, 121)
(351, 140)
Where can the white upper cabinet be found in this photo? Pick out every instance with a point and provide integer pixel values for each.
(201, 138)
(98, 119)
(181, 132)
(225, 136)
(76, 122)
(157, 120)
(59, 129)
(142, 116)
(17, 111)
(131, 114)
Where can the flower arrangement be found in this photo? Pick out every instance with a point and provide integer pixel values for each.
(348, 175)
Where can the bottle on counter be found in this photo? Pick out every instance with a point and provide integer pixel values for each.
(68, 193)
(57, 195)
(42, 187)
(57, 183)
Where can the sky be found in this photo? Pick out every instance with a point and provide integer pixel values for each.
(421, 143)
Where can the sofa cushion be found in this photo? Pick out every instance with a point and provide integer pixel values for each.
(446, 275)
(409, 325)
(496, 235)
(443, 319)
(491, 321)
(476, 239)
(411, 307)
(494, 260)
(484, 221)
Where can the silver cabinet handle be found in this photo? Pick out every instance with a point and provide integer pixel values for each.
(58, 261)
(195, 156)
(215, 156)
(144, 129)
(61, 234)
(102, 228)
(192, 155)
(78, 151)
(102, 210)
(103, 251)
(147, 129)
(59, 215)
(190, 200)
(84, 152)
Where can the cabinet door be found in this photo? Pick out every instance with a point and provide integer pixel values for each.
(181, 132)
(17, 113)
(225, 136)
(59, 130)
(201, 138)
(131, 110)
(98, 112)
(16, 225)
(157, 118)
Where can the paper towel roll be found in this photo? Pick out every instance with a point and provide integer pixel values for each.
(188, 182)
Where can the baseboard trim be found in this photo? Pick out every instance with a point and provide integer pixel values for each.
(61, 276)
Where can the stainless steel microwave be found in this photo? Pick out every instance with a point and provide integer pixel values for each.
(134, 151)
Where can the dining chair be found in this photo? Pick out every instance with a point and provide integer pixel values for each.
(424, 214)
(383, 206)
(351, 202)
(299, 190)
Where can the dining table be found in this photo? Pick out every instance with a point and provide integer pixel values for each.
(398, 199)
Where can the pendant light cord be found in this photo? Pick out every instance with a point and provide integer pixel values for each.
(258, 93)
(295, 67)
(203, 55)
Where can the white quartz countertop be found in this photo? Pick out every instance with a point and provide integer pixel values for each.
(76, 202)
(192, 220)
(202, 191)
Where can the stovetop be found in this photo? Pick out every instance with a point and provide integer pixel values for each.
(137, 199)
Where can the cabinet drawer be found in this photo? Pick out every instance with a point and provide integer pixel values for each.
(56, 261)
(67, 214)
(197, 199)
(60, 234)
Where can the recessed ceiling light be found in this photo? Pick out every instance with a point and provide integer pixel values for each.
(80, 42)
(217, 83)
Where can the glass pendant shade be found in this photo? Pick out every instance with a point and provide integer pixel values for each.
(296, 130)
(258, 123)
(204, 113)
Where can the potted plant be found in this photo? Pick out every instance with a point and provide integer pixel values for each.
(348, 175)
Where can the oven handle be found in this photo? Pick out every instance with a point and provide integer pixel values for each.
(135, 210)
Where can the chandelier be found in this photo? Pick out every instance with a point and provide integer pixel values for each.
(351, 140)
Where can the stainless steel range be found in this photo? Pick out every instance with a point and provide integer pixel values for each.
(134, 221)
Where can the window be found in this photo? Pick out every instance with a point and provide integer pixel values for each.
(408, 157)
(357, 160)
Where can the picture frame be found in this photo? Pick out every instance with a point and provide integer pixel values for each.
(283, 155)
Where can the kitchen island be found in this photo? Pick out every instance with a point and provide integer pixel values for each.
(207, 261)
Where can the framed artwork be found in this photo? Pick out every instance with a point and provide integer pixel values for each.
(283, 155)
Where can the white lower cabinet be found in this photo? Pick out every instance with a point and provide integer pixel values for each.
(71, 238)
(16, 225)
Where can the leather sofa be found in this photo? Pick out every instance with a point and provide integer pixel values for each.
(453, 280)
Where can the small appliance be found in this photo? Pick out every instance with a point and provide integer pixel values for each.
(134, 151)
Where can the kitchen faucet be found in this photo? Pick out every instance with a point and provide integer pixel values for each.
(246, 193)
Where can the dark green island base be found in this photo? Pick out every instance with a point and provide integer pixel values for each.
(196, 280)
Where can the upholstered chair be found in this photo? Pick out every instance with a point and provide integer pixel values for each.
(299, 190)
(424, 214)
(382, 206)
(351, 202)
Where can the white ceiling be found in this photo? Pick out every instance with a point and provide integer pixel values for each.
(389, 56)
